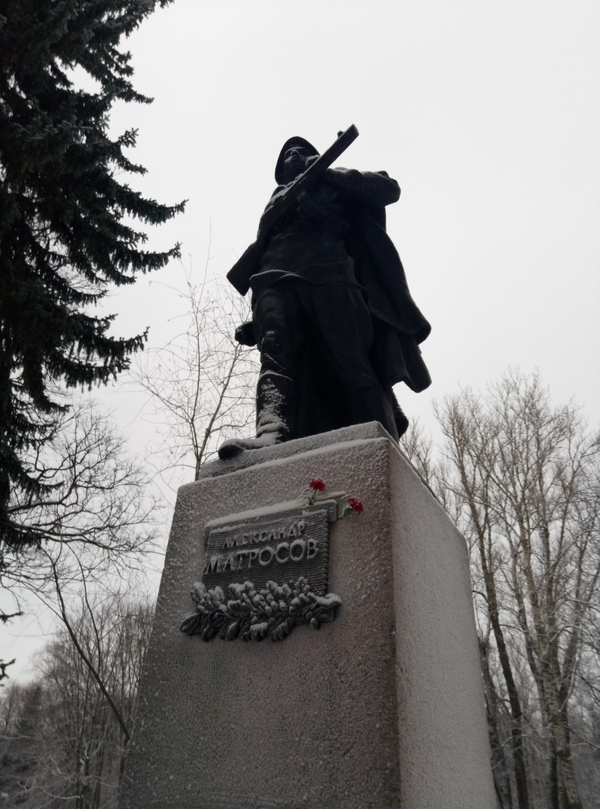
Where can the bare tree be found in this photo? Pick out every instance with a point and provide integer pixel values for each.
(94, 515)
(202, 382)
(96, 512)
(525, 482)
(61, 743)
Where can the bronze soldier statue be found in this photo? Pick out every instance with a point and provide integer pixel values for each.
(333, 318)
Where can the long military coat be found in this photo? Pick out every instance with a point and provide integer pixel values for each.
(399, 325)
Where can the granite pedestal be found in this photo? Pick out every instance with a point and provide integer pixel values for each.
(381, 708)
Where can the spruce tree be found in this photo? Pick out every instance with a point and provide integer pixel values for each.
(66, 217)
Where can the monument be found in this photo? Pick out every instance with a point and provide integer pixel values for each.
(333, 318)
(314, 645)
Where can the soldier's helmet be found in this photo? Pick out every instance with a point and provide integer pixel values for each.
(295, 141)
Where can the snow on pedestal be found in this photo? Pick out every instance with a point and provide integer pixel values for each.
(382, 707)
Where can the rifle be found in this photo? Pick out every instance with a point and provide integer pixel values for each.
(309, 177)
(239, 274)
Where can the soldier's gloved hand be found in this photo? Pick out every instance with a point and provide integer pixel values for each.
(244, 334)
(339, 178)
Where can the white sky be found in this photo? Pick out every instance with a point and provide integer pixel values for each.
(488, 115)
(486, 112)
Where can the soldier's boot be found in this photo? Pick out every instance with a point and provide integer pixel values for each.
(275, 420)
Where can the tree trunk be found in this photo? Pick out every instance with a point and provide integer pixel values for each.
(499, 763)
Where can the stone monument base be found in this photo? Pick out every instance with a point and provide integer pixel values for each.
(382, 707)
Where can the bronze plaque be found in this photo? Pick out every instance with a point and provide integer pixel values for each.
(279, 547)
(265, 573)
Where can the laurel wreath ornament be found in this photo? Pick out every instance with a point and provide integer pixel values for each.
(253, 615)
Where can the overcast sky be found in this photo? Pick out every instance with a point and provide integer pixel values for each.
(488, 115)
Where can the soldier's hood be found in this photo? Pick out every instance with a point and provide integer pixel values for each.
(296, 140)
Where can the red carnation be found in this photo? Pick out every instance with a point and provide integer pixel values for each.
(356, 505)
(318, 485)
